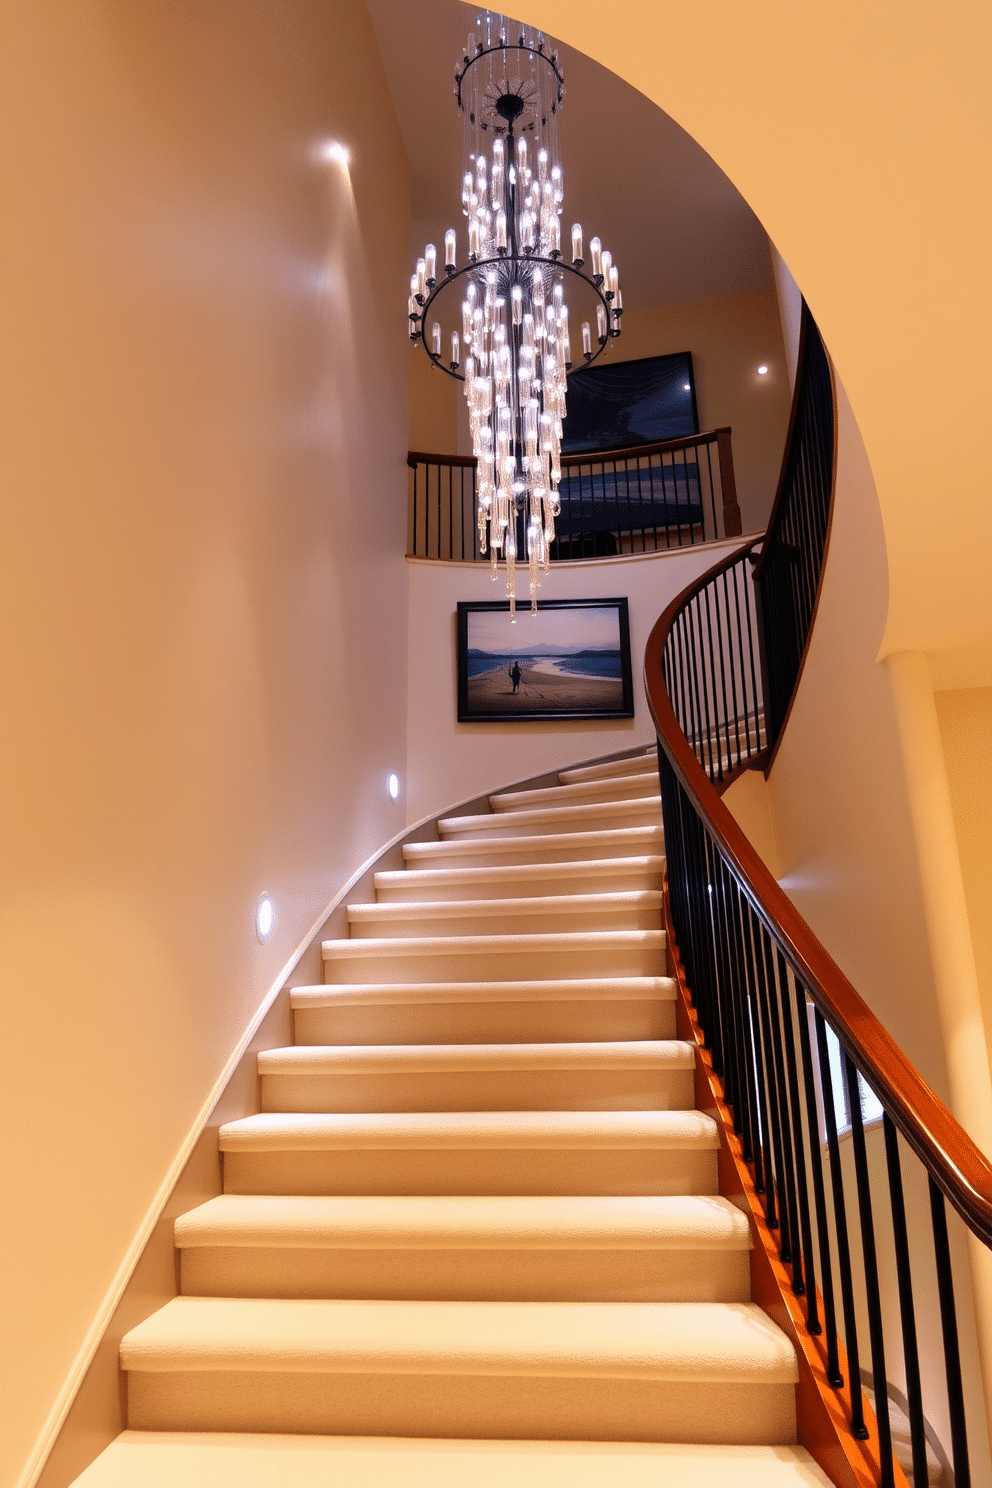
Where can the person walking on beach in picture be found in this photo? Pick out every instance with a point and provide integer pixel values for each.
(515, 675)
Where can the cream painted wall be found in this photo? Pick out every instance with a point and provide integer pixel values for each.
(837, 791)
(729, 339)
(965, 720)
(205, 596)
(847, 128)
(451, 761)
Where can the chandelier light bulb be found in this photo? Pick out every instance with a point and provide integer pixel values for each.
(596, 254)
(510, 319)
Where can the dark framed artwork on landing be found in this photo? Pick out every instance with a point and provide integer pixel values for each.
(570, 660)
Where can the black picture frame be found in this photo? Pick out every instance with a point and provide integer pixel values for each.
(573, 660)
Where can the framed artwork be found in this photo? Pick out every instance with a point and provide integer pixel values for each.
(616, 405)
(570, 660)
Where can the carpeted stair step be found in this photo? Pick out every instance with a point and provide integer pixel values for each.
(489, 1152)
(543, 847)
(216, 1460)
(485, 1012)
(629, 1076)
(685, 1249)
(454, 958)
(634, 764)
(702, 1372)
(518, 881)
(629, 787)
(644, 812)
(639, 909)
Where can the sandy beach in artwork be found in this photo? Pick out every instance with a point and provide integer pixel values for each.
(540, 688)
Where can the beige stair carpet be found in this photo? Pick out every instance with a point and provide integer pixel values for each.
(473, 1235)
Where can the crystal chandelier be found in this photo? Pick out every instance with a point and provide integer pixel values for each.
(509, 339)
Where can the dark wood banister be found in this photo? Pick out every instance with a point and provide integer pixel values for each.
(590, 457)
(957, 1166)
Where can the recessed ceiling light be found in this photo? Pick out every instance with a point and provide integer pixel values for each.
(762, 370)
(393, 785)
(265, 916)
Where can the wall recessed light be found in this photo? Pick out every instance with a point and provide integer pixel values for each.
(686, 388)
(333, 152)
(393, 786)
(762, 370)
(265, 917)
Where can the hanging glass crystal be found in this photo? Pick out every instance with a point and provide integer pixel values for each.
(509, 327)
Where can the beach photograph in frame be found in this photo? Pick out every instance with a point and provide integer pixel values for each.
(570, 660)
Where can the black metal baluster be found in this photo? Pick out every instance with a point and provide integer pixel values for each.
(709, 462)
(742, 1108)
(858, 1427)
(787, 1184)
(762, 950)
(907, 1313)
(949, 1330)
(801, 1168)
(819, 1196)
(752, 952)
(721, 946)
(721, 649)
(869, 1257)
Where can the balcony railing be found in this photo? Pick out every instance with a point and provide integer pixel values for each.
(642, 500)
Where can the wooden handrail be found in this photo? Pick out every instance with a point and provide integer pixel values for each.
(637, 451)
(956, 1164)
(593, 457)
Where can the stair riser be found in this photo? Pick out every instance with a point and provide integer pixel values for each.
(507, 964)
(580, 793)
(638, 1089)
(468, 1275)
(553, 1170)
(558, 850)
(562, 919)
(455, 887)
(458, 1406)
(585, 819)
(486, 1023)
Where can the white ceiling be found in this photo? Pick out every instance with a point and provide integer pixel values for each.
(677, 228)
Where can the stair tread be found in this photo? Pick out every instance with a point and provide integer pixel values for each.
(160, 1459)
(730, 1341)
(586, 811)
(474, 1222)
(523, 872)
(506, 846)
(452, 945)
(581, 989)
(606, 788)
(386, 1058)
(535, 905)
(487, 1130)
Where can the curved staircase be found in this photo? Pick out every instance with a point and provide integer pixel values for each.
(473, 1236)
